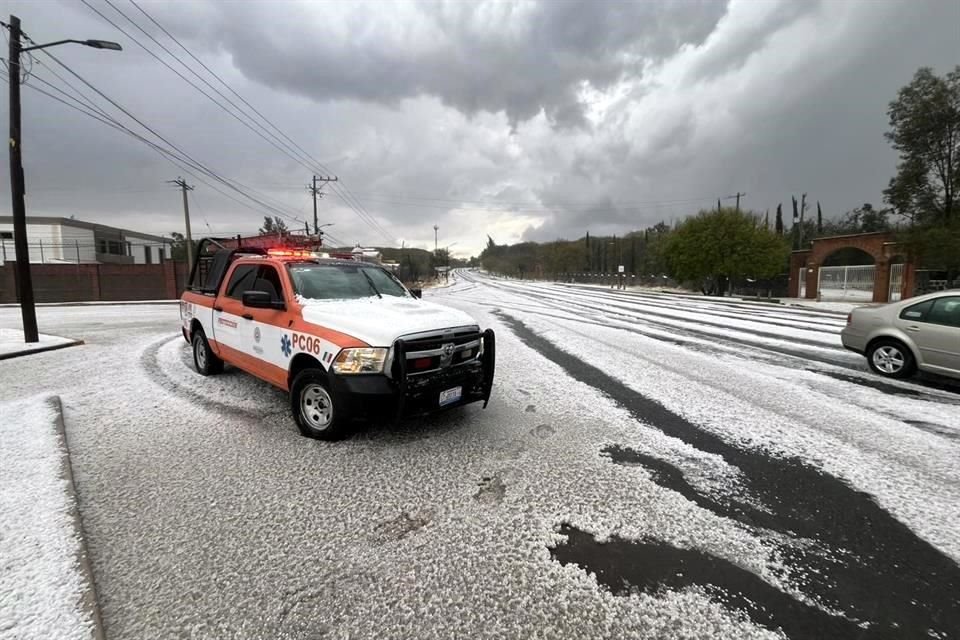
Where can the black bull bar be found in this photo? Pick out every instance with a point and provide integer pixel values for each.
(488, 363)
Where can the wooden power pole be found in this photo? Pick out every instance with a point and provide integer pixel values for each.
(184, 187)
(317, 193)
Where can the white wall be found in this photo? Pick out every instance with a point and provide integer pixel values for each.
(137, 249)
(52, 243)
(66, 243)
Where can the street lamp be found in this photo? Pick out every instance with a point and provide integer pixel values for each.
(17, 186)
(320, 233)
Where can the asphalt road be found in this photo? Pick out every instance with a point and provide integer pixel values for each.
(651, 466)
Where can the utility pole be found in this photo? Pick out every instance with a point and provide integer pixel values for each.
(24, 280)
(736, 196)
(17, 184)
(803, 205)
(184, 187)
(436, 230)
(315, 190)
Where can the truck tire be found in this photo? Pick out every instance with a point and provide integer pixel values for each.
(206, 362)
(314, 407)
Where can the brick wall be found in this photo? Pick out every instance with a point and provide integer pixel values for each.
(97, 282)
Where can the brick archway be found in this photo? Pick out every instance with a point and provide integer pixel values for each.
(880, 246)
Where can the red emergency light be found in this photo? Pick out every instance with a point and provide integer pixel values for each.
(289, 253)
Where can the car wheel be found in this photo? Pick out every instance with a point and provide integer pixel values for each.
(891, 358)
(206, 362)
(314, 408)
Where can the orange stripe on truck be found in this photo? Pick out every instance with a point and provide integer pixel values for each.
(271, 373)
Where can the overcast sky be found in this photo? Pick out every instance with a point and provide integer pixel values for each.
(521, 120)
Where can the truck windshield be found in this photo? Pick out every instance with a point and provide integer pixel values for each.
(343, 281)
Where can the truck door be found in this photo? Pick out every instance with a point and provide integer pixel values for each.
(228, 313)
(265, 332)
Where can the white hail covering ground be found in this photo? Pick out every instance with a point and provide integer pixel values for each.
(380, 321)
(11, 342)
(40, 583)
(207, 515)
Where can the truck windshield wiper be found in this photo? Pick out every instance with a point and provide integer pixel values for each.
(373, 287)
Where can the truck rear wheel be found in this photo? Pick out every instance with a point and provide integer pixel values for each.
(314, 407)
(203, 358)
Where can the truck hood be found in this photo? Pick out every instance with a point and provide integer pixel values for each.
(380, 321)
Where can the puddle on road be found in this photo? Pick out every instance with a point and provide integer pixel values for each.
(624, 566)
(864, 563)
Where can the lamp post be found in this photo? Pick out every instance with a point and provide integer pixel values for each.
(320, 233)
(17, 186)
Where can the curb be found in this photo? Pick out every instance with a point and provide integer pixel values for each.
(29, 352)
(88, 601)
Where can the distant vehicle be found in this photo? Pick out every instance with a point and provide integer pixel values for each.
(345, 338)
(900, 338)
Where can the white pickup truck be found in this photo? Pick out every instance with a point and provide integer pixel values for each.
(346, 339)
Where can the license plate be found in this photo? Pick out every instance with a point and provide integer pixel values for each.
(450, 395)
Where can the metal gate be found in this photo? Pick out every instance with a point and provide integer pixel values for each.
(847, 283)
(896, 282)
(802, 280)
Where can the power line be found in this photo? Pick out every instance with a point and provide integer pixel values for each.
(184, 78)
(287, 145)
(174, 158)
(184, 156)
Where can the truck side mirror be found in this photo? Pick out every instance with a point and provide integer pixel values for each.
(260, 300)
(416, 293)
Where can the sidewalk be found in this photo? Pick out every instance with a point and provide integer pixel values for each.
(12, 344)
(46, 586)
(839, 307)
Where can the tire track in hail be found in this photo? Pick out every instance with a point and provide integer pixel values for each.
(803, 357)
(882, 579)
(149, 362)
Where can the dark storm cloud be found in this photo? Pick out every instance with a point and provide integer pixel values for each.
(752, 38)
(516, 58)
(536, 119)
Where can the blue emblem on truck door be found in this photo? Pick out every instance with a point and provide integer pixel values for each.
(285, 345)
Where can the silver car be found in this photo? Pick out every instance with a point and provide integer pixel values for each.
(917, 333)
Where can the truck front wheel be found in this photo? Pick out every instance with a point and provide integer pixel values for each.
(314, 407)
(203, 358)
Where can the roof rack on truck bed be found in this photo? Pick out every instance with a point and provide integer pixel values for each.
(214, 256)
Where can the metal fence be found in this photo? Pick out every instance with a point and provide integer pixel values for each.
(847, 283)
(896, 282)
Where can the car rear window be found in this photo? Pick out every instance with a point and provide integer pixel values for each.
(917, 312)
(945, 311)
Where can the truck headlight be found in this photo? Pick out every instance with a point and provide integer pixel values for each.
(360, 360)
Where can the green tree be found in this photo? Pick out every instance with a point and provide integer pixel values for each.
(273, 225)
(178, 248)
(925, 131)
(714, 246)
(864, 219)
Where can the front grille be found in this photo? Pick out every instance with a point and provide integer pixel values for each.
(440, 350)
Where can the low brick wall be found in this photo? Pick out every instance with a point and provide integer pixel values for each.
(97, 282)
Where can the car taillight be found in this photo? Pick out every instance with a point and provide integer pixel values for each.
(849, 318)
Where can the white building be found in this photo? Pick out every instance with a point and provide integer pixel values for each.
(65, 240)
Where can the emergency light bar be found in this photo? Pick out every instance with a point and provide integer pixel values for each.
(289, 253)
